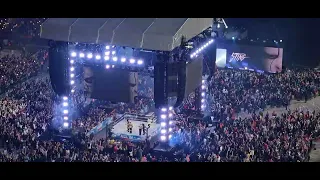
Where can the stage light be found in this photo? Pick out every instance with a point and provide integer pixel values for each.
(140, 62)
(205, 45)
(163, 131)
(123, 60)
(115, 59)
(202, 100)
(65, 118)
(170, 115)
(65, 98)
(71, 75)
(73, 54)
(72, 90)
(203, 87)
(163, 116)
(106, 58)
(72, 82)
(203, 94)
(203, 106)
(71, 61)
(113, 66)
(89, 56)
(65, 111)
(163, 124)
(170, 122)
(203, 81)
(98, 57)
(113, 53)
(107, 53)
(107, 47)
(280, 40)
(170, 129)
(72, 69)
(65, 104)
(163, 138)
(245, 67)
(81, 55)
(170, 136)
(65, 124)
(107, 66)
(163, 109)
(170, 108)
(132, 61)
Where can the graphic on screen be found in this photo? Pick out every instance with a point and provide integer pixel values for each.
(267, 59)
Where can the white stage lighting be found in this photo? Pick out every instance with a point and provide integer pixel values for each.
(163, 131)
(72, 61)
(170, 129)
(202, 100)
(123, 60)
(89, 56)
(65, 111)
(115, 59)
(113, 52)
(65, 98)
(163, 116)
(65, 104)
(170, 122)
(65, 118)
(65, 124)
(132, 61)
(163, 124)
(163, 109)
(106, 58)
(163, 138)
(72, 69)
(81, 55)
(203, 106)
(170, 115)
(203, 81)
(107, 66)
(113, 66)
(203, 87)
(107, 47)
(73, 54)
(72, 90)
(107, 53)
(72, 82)
(170, 108)
(203, 94)
(170, 136)
(98, 57)
(71, 75)
(140, 62)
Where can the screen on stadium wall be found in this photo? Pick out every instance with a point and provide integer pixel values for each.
(267, 59)
(109, 84)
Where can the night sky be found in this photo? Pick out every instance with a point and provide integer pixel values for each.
(301, 36)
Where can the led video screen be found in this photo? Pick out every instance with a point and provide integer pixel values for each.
(268, 59)
(109, 84)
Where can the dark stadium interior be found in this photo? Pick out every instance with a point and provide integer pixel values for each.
(252, 95)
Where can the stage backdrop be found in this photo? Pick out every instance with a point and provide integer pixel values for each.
(267, 59)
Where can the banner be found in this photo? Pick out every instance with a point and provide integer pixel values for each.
(102, 125)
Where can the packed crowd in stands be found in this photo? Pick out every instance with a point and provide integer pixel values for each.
(28, 27)
(27, 110)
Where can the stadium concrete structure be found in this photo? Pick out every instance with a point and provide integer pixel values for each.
(162, 34)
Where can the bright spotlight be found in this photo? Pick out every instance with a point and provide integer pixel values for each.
(170, 129)
(65, 98)
(65, 111)
(81, 55)
(245, 67)
(73, 54)
(170, 115)
(65, 104)
(113, 52)
(106, 58)
(218, 26)
(203, 106)
(65, 118)
(163, 138)
(202, 100)
(115, 59)
(163, 109)
(163, 116)
(280, 40)
(170, 136)
(72, 82)
(203, 94)
(163, 131)
(170, 108)
(71, 75)
(123, 60)
(170, 122)
(89, 55)
(107, 66)
(163, 124)
(98, 57)
(132, 61)
(72, 69)
(72, 90)
(65, 124)
(113, 66)
(107, 53)
(140, 62)
(107, 47)
(203, 87)
(203, 81)
(71, 61)
(233, 38)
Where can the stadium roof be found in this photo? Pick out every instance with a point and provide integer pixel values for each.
(162, 34)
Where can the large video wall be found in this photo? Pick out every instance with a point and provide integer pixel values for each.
(268, 59)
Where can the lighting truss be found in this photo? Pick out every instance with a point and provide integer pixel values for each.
(201, 48)
(166, 122)
(204, 90)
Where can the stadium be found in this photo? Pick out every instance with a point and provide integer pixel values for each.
(153, 90)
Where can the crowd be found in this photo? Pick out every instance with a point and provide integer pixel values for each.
(28, 27)
(26, 112)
